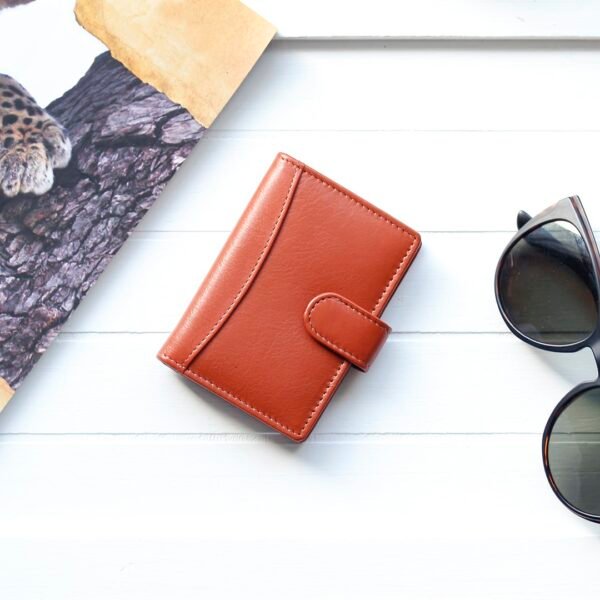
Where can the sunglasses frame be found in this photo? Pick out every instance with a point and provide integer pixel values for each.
(571, 210)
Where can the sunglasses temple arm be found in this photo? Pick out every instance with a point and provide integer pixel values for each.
(522, 219)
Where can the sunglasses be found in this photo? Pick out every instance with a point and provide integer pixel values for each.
(547, 287)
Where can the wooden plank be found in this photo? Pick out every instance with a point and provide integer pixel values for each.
(449, 288)
(403, 19)
(363, 72)
(512, 19)
(435, 181)
(152, 568)
(149, 518)
(419, 384)
(392, 85)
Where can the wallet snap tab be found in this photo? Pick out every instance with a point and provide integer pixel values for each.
(345, 328)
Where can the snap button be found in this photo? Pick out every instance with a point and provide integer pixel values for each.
(345, 328)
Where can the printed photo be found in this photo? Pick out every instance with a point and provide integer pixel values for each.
(79, 168)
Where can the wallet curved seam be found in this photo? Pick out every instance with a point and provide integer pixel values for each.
(336, 345)
(342, 363)
(248, 280)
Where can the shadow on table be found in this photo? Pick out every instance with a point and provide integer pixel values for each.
(320, 450)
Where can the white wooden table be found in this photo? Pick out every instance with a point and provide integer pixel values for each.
(424, 478)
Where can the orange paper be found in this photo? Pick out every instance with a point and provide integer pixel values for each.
(197, 52)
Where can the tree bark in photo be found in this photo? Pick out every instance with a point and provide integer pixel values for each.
(128, 141)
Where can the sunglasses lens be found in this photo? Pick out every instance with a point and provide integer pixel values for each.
(574, 452)
(546, 285)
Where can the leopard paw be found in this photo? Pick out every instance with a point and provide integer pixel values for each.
(32, 143)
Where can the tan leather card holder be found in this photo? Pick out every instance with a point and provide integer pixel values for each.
(294, 299)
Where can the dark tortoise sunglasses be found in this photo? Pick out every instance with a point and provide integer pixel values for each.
(547, 286)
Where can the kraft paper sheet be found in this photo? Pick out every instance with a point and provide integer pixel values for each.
(197, 52)
(6, 393)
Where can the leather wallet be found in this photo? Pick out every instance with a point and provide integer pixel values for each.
(294, 299)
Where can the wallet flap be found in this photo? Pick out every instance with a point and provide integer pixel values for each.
(345, 328)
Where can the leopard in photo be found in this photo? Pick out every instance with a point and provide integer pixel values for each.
(32, 143)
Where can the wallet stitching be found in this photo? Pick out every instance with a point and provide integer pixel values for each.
(357, 201)
(323, 396)
(252, 271)
(195, 375)
(379, 216)
(389, 283)
(336, 345)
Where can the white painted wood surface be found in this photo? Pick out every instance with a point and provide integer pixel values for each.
(502, 19)
(118, 479)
